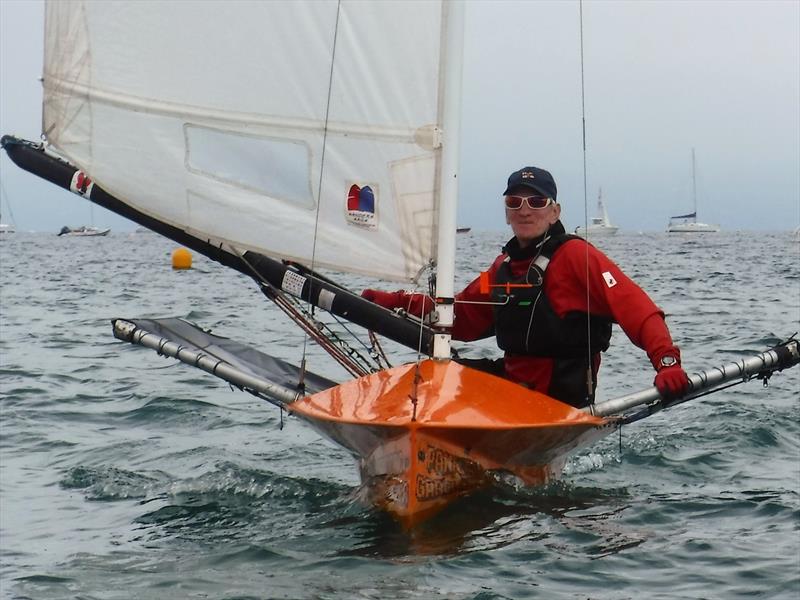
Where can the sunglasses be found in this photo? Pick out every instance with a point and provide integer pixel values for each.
(535, 202)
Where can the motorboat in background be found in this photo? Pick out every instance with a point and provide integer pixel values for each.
(599, 225)
(83, 231)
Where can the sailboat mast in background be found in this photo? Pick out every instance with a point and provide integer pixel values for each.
(5, 227)
(688, 223)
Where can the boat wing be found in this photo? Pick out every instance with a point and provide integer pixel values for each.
(227, 359)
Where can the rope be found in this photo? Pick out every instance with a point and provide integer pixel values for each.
(590, 372)
(417, 373)
(313, 328)
(322, 164)
(325, 136)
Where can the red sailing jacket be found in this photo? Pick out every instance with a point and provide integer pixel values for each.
(611, 294)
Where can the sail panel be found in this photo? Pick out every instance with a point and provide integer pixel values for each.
(259, 125)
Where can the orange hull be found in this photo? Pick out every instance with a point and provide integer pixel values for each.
(422, 445)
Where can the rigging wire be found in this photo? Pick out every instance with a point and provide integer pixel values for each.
(346, 356)
(376, 350)
(322, 161)
(376, 355)
(3, 192)
(418, 361)
(590, 369)
(349, 358)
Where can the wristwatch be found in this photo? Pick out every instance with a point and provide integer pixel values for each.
(668, 361)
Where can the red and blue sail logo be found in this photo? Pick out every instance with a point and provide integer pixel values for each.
(361, 203)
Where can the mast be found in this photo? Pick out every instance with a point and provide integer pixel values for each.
(600, 207)
(694, 187)
(448, 181)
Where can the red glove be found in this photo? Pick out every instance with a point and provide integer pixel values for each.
(388, 300)
(417, 305)
(671, 380)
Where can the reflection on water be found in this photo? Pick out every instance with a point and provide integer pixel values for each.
(502, 516)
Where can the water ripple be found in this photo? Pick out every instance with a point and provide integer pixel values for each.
(126, 475)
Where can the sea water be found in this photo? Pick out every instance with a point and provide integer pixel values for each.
(127, 475)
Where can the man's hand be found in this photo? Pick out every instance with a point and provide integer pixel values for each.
(388, 300)
(671, 380)
(417, 305)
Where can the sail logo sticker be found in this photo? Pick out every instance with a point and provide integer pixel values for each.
(361, 206)
(81, 184)
(610, 281)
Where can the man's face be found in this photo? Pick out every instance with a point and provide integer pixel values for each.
(529, 223)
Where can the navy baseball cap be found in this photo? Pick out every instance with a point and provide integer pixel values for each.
(532, 177)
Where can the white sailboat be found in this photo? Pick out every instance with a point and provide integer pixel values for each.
(338, 150)
(600, 225)
(688, 223)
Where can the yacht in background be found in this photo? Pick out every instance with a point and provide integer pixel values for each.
(688, 223)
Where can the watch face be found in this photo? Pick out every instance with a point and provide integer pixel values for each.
(668, 361)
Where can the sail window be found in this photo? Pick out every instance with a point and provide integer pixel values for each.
(278, 168)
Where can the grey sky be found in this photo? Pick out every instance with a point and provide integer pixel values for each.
(661, 77)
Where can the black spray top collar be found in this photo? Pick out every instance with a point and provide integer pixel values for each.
(514, 252)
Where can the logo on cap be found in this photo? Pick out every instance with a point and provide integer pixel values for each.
(527, 175)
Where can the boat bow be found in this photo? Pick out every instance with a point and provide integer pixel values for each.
(426, 434)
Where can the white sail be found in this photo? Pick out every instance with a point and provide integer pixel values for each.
(251, 123)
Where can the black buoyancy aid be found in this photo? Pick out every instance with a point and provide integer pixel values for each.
(524, 319)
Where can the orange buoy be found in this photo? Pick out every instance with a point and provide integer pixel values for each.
(181, 259)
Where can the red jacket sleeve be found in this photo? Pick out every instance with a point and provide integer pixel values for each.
(474, 317)
(581, 278)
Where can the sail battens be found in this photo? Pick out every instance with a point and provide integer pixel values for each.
(423, 136)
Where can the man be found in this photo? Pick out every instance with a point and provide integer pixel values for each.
(550, 299)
